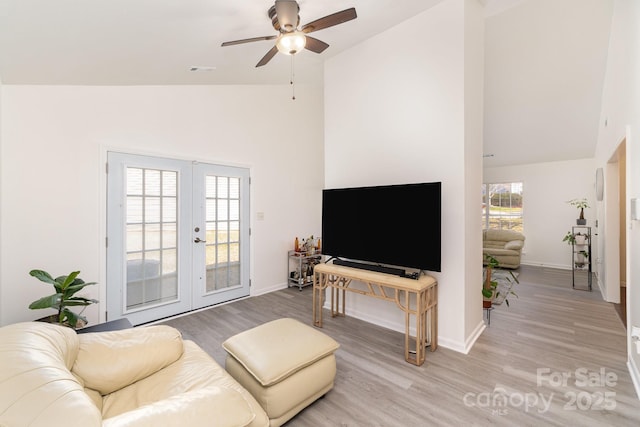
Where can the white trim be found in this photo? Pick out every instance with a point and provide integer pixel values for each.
(547, 265)
(268, 290)
(635, 374)
(471, 339)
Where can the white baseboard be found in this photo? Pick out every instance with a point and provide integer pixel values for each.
(474, 337)
(635, 375)
(270, 289)
(542, 264)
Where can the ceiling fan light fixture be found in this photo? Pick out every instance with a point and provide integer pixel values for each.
(291, 43)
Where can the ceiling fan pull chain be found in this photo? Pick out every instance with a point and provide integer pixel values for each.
(291, 81)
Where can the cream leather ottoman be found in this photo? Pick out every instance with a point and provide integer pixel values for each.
(285, 364)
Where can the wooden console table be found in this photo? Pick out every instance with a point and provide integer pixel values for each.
(387, 287)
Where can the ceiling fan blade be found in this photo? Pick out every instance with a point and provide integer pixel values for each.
(267, 57)
(330, 20)
(287, 14)
(254, 39)
(315, 45)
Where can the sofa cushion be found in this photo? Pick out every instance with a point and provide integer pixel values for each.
(493, 244)
(500, 252)
(109, 361)
(206, 407)
(194, 370)
(514, 245)
(502, 235)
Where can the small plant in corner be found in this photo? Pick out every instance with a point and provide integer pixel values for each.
(490, 287)
(65, 288)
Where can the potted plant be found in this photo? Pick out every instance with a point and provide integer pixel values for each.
(490, 287)
(569, 238)
(575, 239)
(65, 288)
(581, 204)
(581, 258)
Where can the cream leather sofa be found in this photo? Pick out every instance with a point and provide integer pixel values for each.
(504, 245)
(150, 376)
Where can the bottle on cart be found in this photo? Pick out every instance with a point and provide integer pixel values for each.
(310, 273)
(297, 245)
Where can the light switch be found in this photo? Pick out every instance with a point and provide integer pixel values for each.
(260, 216)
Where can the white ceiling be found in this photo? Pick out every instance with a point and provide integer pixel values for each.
(156, 42)
(545, 64)
(545, 59)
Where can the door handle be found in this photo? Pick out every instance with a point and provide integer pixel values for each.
(198, 240)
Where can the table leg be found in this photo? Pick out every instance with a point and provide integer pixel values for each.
(318, 280)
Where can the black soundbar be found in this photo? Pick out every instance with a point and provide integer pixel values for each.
(371, 267)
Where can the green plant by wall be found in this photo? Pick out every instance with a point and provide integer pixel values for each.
(65, 288)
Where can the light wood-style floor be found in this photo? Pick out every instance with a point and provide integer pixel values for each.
(554, 344)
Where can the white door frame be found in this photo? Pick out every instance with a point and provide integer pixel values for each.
(187, 299)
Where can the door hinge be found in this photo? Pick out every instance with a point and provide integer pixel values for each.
(106, 167)
(106, 316)
(249, 231)
(106, 242)
(249, 180)
(249, 282)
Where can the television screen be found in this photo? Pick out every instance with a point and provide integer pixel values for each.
(395, 225)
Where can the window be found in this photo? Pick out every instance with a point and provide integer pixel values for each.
(502, 206)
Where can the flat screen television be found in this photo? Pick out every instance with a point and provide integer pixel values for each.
(391, 225)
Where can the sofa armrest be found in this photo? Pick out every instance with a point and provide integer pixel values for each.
(514, 245)
(207, 407)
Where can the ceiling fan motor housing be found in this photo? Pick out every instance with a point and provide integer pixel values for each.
(289, 18)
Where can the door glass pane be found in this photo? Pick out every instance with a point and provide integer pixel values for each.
(151, 237)
(223, 246)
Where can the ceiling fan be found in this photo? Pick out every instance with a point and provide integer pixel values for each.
(291, 40)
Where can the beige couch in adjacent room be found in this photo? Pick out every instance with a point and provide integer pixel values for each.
(504, 245)
(148, 376)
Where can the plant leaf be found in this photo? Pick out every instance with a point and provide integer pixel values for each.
(76, 301)
(51, 301)
(70, 290)
(43, 276)
(68, 280)
(70, 317)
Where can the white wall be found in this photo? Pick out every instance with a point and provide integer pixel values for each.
(395, 113)
(473, 144)
(620, 119)
(53, 183)
(1, 296)
(547, 217)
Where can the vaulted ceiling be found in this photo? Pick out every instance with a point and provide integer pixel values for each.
(544, 69)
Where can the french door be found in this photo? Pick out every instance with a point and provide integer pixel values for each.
(177, 236)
